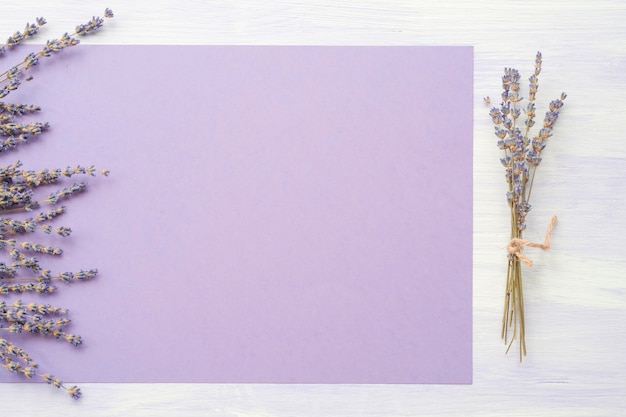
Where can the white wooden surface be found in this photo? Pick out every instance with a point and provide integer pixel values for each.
(576, 292)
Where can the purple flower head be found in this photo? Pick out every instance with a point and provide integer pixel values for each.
(93, 25)
(74, 392)
(505, 109)
(500, 133)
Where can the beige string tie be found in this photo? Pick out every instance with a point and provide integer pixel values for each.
(516, 245)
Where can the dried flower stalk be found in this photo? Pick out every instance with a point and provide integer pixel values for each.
(22, 271)
(522, 156)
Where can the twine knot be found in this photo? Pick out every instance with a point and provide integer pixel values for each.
(516, 245)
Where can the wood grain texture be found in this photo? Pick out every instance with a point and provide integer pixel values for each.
(575, 294)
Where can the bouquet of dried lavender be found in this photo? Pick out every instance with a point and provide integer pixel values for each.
(522, 156)
(21, 270)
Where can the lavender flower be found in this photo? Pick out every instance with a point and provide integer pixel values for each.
(20, 318)
(522, 156)
(29, 31)
(12, 77)
(20, 192)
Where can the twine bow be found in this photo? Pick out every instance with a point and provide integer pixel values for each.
(516, 245)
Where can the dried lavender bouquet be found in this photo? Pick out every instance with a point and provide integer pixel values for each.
(21, 270)
(522, 156)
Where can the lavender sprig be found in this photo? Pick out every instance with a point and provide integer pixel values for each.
(13, 76)
(29, 31)
(22, 272)
(35, 318)
(522, 156)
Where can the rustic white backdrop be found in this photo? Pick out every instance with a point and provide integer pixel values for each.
(575, 293)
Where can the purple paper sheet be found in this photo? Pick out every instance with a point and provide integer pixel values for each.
(289, 214)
